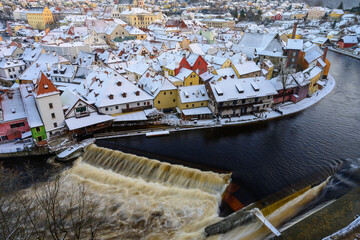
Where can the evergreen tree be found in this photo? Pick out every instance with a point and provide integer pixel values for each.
(242, 14)
(341, 6)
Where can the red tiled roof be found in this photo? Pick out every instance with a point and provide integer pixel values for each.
(44, 86)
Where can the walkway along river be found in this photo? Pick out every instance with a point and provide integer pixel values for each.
(282, 155)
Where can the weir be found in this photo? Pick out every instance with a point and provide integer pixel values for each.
(147, 199)
(155, 171)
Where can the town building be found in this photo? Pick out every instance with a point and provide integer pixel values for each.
(49, 105)
(13, 119)
(37, 128)
(139, 17)
(40, 18)
(234, 97)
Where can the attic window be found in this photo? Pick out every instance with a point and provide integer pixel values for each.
(118, 83)
(239, 88)
(137, 93)
(123, 94)
(96, 94)
(186, 94)
(219, 91)
(46, 86)
(147, 74)
(111, 96)
(255, 86)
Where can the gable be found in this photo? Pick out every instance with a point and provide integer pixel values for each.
(78, 106)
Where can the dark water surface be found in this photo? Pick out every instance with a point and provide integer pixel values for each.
(269, 157)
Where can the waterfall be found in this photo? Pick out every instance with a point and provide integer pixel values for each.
(147, 199)
(155, 171)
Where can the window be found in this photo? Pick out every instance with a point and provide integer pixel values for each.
(138, 104)
(173, 100)
(190, 83)
(192, 105)
(3, 138)
(51, 106)
(53, 115)
(39, 139)
(55, 124)
(17, 125)
(9, 69)
(170, 93)
(116, 107)
(202, 104)
(158, 102)
(80, 109)
(37, 129)
(187, 105)
(106, 109)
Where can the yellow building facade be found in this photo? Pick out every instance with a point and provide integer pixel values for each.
(139, 18)
(166, 99)
(40, 18)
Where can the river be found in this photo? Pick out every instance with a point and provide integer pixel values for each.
(281, 155)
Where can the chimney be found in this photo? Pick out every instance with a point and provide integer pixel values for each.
(325, 53)
(294, 31)
(48, 67)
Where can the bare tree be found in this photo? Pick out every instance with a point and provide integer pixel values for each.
(57, 209)
(283, 75)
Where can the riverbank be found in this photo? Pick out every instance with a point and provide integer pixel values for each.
(344, 53)
(281, 111)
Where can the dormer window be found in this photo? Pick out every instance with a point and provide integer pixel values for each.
(111, 96)
(123, 94)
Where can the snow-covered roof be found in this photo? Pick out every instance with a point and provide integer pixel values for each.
(214, 60)
(41, 65)
(235, 89)
(196, 111)
(131, 117)
(312, 53)
(195, 48)
(246, 67)
(133, 30)
(320, 40)
(350, 39)
(195, 93)
(7, 51)
(8, 63)
(264, 43)
(153, 83)
(105, 87)
(12, 108)
(94, 118)
(228, 72)
(31, 54)
(183, 74)
(295, 44)
(311, 72)
(138, 68)
(28, 99)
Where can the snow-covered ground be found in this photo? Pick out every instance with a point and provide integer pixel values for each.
(16, 146)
